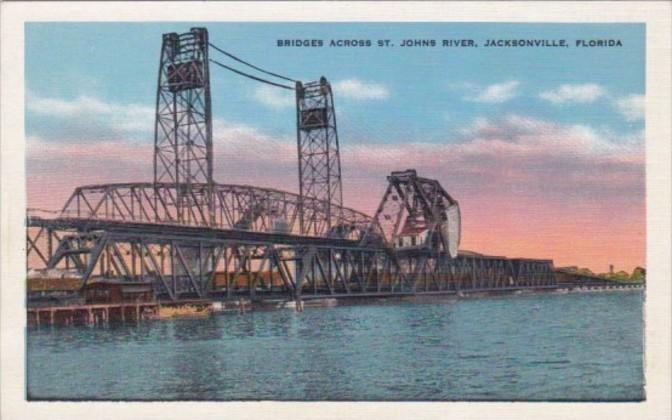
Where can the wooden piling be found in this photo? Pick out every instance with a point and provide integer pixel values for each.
(298, 305)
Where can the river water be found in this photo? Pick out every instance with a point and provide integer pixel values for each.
(543, 347)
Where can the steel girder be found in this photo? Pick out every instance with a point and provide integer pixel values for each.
(413, 205)
(234, 207)
(181, 265)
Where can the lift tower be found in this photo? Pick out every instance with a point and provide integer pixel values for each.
(319, 160)
(183, 128)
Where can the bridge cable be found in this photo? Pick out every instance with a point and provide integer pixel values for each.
(258, 79)
(240, 60)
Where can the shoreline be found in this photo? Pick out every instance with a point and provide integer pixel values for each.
(101, 314)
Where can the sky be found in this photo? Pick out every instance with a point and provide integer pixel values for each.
(542, 147)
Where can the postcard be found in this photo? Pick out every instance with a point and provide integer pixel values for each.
(336, 211)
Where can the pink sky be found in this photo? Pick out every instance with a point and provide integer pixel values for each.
(526, 187)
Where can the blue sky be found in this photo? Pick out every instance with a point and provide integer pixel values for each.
(428, 89)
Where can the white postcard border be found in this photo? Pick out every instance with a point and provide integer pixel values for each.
(656, 15)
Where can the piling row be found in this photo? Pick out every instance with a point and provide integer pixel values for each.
(90, 314)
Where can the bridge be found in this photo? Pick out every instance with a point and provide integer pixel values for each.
(194, 238)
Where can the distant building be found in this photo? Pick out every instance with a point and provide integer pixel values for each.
(412, 236)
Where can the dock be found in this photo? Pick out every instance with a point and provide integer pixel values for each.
(93, 314)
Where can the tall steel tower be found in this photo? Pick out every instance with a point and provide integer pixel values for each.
(319, 160)
(183, 128)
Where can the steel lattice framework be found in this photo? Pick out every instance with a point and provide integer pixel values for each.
(183, 128)
(193, 238)
(319, 159)
(195, 262)
(239, 207)
(416, 207)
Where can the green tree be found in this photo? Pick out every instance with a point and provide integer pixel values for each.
(638, 274)
(585, 272)
(620, 276)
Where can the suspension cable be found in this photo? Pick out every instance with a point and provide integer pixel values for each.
(250, 65)
(258, 79)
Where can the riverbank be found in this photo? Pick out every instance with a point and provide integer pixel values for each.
(95, 314)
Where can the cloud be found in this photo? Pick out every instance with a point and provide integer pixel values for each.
(94, 111)
(273, 97)
(496, 93)
(527, 154)
(632, 107)
(572, 158)
(350, 88)
(360, 90)
(574, 93)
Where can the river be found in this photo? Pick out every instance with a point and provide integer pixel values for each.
(579, 346)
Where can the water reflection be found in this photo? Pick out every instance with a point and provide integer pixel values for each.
(196, 329)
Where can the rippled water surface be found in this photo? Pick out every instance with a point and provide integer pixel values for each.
(545, 347)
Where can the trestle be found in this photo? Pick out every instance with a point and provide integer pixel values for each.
(183, 266)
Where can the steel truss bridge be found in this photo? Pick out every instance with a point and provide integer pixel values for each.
(239, 207)
(197, 262)
(191, 237)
